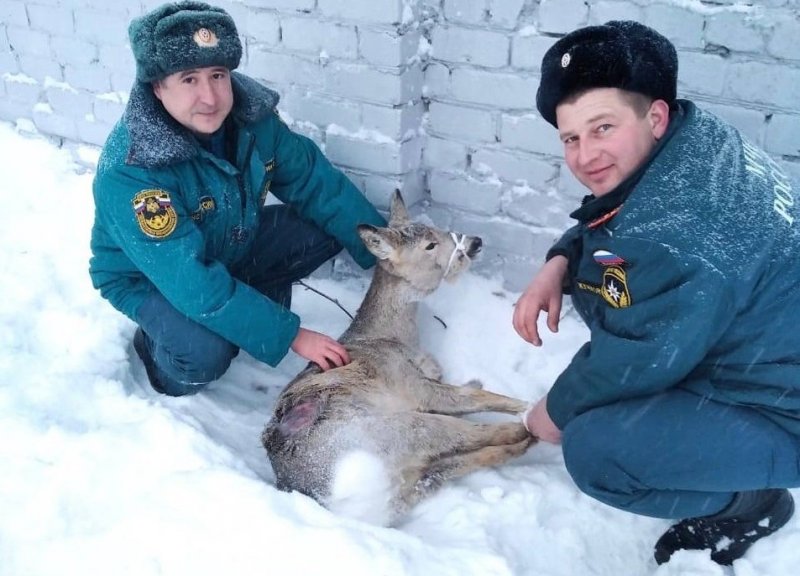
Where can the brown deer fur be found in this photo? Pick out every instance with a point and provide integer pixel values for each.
(390, 403)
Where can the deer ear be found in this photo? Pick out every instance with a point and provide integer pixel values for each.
(377, 240)
(399, 214)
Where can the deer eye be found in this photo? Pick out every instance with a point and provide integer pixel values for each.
(431, 246)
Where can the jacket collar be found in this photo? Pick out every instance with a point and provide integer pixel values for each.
(593, 207)
(156, 139)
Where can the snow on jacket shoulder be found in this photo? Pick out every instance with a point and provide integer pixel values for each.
(695, 282)
(174, 218)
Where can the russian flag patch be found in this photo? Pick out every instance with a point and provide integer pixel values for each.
(606, 258)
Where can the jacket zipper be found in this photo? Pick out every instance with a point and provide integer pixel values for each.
(240, 232)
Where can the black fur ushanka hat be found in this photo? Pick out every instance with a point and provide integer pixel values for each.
(183, 35)
(618, 54)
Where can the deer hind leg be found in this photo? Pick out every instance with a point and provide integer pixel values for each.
(458, 465)
(440, 447)
(443, 398)
(428, 365)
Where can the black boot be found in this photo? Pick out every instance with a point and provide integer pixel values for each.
(143, 352)
(729, 533)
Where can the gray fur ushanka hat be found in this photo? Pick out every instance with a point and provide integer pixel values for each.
(618, 54)
(183, 35)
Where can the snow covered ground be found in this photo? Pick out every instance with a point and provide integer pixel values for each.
(100, 475)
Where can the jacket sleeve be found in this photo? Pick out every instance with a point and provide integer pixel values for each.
(307, 181)
(176, 265)
(678, 310)
(568, 246)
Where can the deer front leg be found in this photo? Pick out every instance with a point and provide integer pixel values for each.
(444, 398)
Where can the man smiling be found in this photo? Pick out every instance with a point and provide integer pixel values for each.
(185, 241)
(685, 403)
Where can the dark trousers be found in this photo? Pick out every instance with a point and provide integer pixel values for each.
(187, 355)
(677, 455)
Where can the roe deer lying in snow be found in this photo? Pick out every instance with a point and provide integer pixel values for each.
(371, 438)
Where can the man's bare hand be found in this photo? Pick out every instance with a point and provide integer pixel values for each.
(539, 423)
(323, 350)
(543, 294)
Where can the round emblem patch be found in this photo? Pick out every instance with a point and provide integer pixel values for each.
(565, 60)
(205, 38)
(155, 214)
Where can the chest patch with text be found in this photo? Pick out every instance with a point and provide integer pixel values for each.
(614, 286)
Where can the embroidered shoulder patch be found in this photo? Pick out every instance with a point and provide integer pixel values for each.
(615, 287)
(154, 212)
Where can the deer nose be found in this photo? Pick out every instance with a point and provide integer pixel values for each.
(475, 244)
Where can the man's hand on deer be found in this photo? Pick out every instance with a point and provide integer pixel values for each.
(539, 424)
(323, 350)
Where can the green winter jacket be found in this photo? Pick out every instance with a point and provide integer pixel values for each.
(172, 217)
(694, 282)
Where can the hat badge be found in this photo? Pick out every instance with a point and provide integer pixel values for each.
(565, 60)
(205, 38)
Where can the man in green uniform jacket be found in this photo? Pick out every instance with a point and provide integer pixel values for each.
(685, 404)
(185, 242)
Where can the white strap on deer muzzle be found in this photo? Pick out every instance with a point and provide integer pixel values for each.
(460, 247)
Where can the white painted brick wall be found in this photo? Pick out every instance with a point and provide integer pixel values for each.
(456, 188)
(396, 122)
(282, 69)
(528, 48)
(700, 73)
(287, 5)
(258, 26)
(783, 41)
(381, 11)
(750, 122)
(13, 13)
(562, 16)
(542, 210)
(74, 51)
(769, 84)
(40, 67)
(462, 122)
(512, 166)
(307, 34)
(436, 97)
(604, 10)
(445, 154)
(735, 31)
(383, 47)
(506, 90)
(530, 132)
(100, 26)
(53, 20)
(471, 46)
(380, 86)
(783, 134)
(465, 11)
(505, 13)
(29, 42)
(680, 24)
